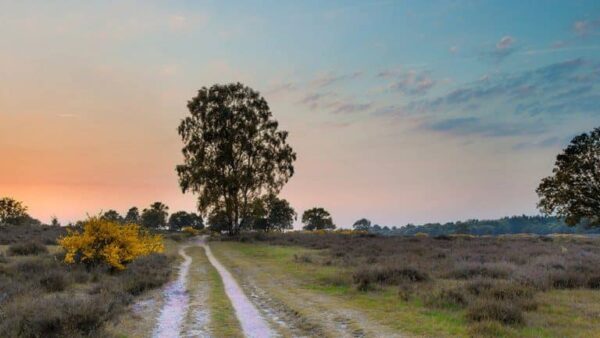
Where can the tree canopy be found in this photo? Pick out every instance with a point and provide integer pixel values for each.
(272, 214)
(133, 215)
(12, 211)
(317, 219)
(573, 191)
(362, 224)
(182, 219)
(233, 152)
(112, 216)
(155, 216)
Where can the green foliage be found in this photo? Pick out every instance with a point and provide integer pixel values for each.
(541, 225)
(133, 216)
(317, 219)
(218, 221)
(271, 213)
(362, 224)
(112, 216)
(12, 211)
(233, 152)
(155, 217)
(181, 219)
(573, 191)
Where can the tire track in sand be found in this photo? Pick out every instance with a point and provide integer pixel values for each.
(252, 322)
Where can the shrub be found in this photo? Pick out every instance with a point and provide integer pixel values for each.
(486, 309)
(146, 273)
(594, 282)
(190, 231)
(55, 281)
(27, 248)
(567, 279)
(448, 298)
(3, 258)
(469, 271)
(104, 241)
(387, 275)
(57, 315)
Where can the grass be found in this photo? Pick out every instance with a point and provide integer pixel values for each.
(207, 291)
(381, 307)
(571, 312)
(223, 321)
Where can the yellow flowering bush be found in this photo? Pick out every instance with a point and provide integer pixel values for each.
(109, 242)
(191, 231)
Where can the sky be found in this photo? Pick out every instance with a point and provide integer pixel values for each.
(399, 111)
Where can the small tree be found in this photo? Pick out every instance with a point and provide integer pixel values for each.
(317, 219)
(273, 214)
(155, 217)
(133, 216)
(12, 211)
(362, 224)
(233, 152)
(181, 219)
(573, 191)
(112, 215)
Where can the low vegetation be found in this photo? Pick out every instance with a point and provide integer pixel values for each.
(42, 296)
(485, 279)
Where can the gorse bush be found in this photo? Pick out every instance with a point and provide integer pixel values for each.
(190, 231)
(104, 241)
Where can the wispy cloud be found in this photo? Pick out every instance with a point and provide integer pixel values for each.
(465, 126)
(328, 79)
(585, 28)
(409, 82)
(502, 49)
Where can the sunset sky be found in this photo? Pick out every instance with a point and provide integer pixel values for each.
(400, 111)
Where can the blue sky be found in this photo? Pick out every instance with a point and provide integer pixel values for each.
(400, 111)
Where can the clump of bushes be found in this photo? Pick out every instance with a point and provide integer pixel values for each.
(387, 275)
(105, 241)
(486, 309)
(146, 273)
(57, 315)
(27, 248)
(468, 271)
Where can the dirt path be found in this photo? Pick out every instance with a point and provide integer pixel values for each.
(176, 302)
(252, 322)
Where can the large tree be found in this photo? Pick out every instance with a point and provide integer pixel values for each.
(573, 191)
(317, 219)
(155, 216)
(233, 152)
(12, 211)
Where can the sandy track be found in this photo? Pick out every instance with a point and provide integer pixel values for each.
(252, 322)
(176, 302)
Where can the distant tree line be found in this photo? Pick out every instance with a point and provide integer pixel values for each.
(541, 225)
